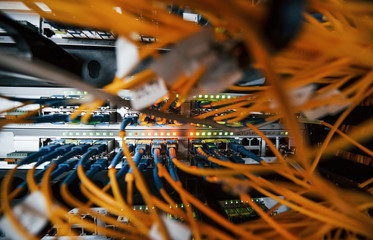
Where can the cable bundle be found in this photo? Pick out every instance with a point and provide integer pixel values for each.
(325, 69)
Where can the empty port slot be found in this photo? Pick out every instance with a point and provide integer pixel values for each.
(255, 142)
(245, 142)
(284, 142)
(222, 145)
(269, 152)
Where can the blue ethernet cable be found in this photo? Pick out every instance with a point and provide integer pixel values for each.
(117, 158)
(57, 152)
(75, 150)
(63, 167)
(42, 151)
(91, 151)
(123, 171)
(171, 149)
(241, 149)
(127, 121)
(156, 152)
(50, 118)
(99, 165)
(140, 150)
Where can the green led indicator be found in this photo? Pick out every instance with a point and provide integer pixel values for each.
(79, 92)
(223, 96)
(72, 92)
(212, 96)
(71, 133)
(85, 92)
(286, 133)
(168, 134)
(194, 96)
(231, 201)
(177, 95)
(236, 201)
(129, 134)
(84, 133)
(64, 134)
(203, 125)
(220, 133)
(197, 134)
(182, 205)
(206, 96)
(65, 92)
(203, 134)
(98, 134)
(91, 134)
(226, 133)
(200, 96)
(210, 127)
(217, 96)
(104, 133)
(111, 133)
(229, 97)
(231, 133)
(77, 133)
(209, 133)
(226, 202)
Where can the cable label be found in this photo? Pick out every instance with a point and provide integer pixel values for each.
(147, 94)
(31, 214)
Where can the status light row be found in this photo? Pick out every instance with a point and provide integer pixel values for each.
(211, 133)
(87, 133)
(152, 134)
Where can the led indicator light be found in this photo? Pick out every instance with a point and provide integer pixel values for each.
(104, 133)
(155, 134)
(77, 134)
(98, 134)
(91, 133)
(231, 133)
(206, 96)
(229, 97)
(111, 134)
(203, 134)
(191, 134)
(149, 134)
(79, 92)
(84, 133)
(174, 134)
(85, 92)
(70, 133)
(220, 133)
(197, 134)
(286, 133)
(226, 133)
(223, 96)
(168, 134)
(142, 134)
(64, 134)
(209, 133)
(162, 133)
